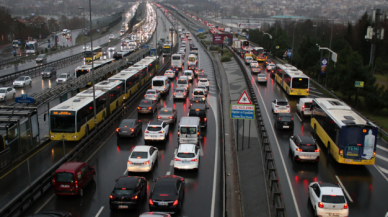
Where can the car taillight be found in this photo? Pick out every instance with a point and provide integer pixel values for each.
(129, 162)
(175, 203)
(298, 149)
(176, 159)
(145, 95)
(132, 130)
(147, 162)
(118, 130)
(288, 106)
(161, 131)
(174, 94)
(170, 117)
(138, 107)
(149, 108)
(146, 131)
(316, 150)
(151, 202)
(111, 197)
(195, 160)
(346, 206)
(134, 198)
(205, 119)
(276, 106)
(159, 117)
(320, 205)
(184, 94)
(308, 90)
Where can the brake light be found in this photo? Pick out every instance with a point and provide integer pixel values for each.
(138, 108)
(174, 94)
(298, 149)
(205, 119)
(176, 159)
(288, 106)
(159, 117)
(132, 130)
(292, 89)
(161, 131)
(149, 108)
(308, 90)
(320, 205)
(147, 162)
(175, 203)
(146, 131)
(316, 150)
(145, 95)
(195, 160)
(118, 130)
(111, 197)
(276, 106)
(374, 153)
(134, 198)
(150, 202)
(170, 117)
(179, 133)
(346, 206)
(129, 162)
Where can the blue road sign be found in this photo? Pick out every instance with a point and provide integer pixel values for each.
(200, 30)
(146, 46)
(289, 53)
(238, 111)
(24, 99)
(323, 66)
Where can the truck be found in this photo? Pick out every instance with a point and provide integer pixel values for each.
(303, 106)
(236, 44)
(228, 29)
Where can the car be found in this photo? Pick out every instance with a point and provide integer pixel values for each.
(183, 45)
(167, 194)
(280, 106)
(198, 71)
(22, 81)
(303, 106)
(256, 69)
(169, 73)
(147, 106)
(72, 177)
(187, 157)
(63, 78)
(203, 87)
(85, 47)
(254, 63)
(268, 61)
(49, 72)
(129, 128)
(197, 100)
(271, 67)
(182, 53)
(142, 158)
(51, 214)
(156, 131)
(198, 92)
(189, 74)
(128, 192)
(204, 81)
(155, 214)
(152, 95)
(261, 78)
(7, 93)
(112, 49)
(41, 58)
(304, 148)
(111, 36)
(200, 111)
(168, 115)
(328, 199)
(64, 31)
(284, 121)
(192, 52)
(180, 93)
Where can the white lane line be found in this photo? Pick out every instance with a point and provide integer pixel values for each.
(200, 149)
(382, 148)
(382, 158)
(168, 173)
(125, 171)
(99, 211)
(298, 117)
(40, 208)
(175, 151)
(172, 163)
(281, 157)
(100, 146)
(383, 169)
(343, 187)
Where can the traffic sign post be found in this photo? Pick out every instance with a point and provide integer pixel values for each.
(358, 84)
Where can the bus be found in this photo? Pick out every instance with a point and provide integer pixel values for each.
(131, 82)
(166, 50)
(96, 54)
(245, 45)
(31, 48)
(260, 53)
(293, 81)
(349, 138)
(73, 119)
(84, 69)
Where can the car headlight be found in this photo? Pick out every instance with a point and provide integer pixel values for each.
(41, 73)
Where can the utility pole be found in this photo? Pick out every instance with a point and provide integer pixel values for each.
(374, 33)
(91, 70)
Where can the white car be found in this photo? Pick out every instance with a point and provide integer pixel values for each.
(142, 158)
(22, 81)
(152, 95)
(198, 92)
(189, 74)
(328, 199)
(187, 157)
(203, 87)
(304, 148)
(62, 78)
(204, 81)
(271, 67)
(7, 93)
(156, 131)
(169, 74)
(111, 48)
(262, 78)
(280, 106)
(254, 63)
(111, 36)
(303, 106)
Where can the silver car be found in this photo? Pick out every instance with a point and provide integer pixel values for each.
(7, 93)
(22, 81)
(180, 93)
(42, 58)
(203, 87)
(262, 78)
(304, 148)
(167, 115)
(152, 95)
(63, 78)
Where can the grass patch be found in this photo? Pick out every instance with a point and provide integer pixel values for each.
(206, 42)
(213, 48)
(201, 36)
(225, 59)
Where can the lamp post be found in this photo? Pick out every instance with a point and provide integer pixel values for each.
(83, 13)
(293, 36)
(331, 52)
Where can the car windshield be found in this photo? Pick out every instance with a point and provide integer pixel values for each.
(41, 56)
(166, 112)
(139, 155)
(333, 199)
(20, 79)
(285, 118)
(308, 147)
(283, 103)
(126, 123)
(64, 177)
(47, 69)
(154, 128)
(203, 80)
(176, 57)
(180, 90)
(151, 92)
(188, 130)
(120, 191)
(185, 155)
(2, 90)
(187, 73)
(198, 92)
(307, 105)
(146, 102)
(261, 75)
(62, 76)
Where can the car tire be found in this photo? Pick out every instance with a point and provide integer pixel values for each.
(94, 177)
(5, 99)
(81, 192)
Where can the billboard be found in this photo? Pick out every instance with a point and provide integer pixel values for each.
(223, 39)
(249, 25)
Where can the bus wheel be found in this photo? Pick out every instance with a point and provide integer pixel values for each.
(87, 130)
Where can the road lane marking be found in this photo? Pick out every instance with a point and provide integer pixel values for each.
(172, 163)
(125, 171)
(40, 208)
(99, 211)
(378, 169)
(383, 169)
(281, 156)
(175, 151)
(100, 146)
(299, 117)
(382, 158)
(382, 148)
(168, 173)
(343, 187)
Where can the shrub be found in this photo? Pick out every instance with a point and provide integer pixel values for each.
(213, 48)
(45, 50)
(225, 59)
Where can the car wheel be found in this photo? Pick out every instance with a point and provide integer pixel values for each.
(94, 177)
(81, 192)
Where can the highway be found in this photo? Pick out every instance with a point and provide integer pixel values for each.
(51, 152)
(109, 157)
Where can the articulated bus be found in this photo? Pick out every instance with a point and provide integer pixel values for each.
(93, 55)
(349, 138)
(260, 53)
(131, 82)
(293, 81)
(150, 62)
(84, 69)
(74, 118)
(166, 50)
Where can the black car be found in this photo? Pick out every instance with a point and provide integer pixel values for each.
(198, 71)
(199, 110)
(197, 100)
(48, 72)
(284, 121)
(268, 61)
(128, 192)
(167, 194)
(256, 69)
(51, 214)
(129, 128)
(147, 106)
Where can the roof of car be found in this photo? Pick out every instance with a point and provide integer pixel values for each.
(306, 139)
(186, 148)
(155, 123)
(198, 106)
(70, 165)
(327, 184)
(168, 178)
(141, 148)
(128, 121)
(331, 189)
(282, 100)
(127, 182)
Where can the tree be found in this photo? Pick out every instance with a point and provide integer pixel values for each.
(376, 98)
(308, 53)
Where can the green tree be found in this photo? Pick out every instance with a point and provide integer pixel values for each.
(376, 98)
(308, 54)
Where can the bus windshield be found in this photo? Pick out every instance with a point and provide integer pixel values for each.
(300, 83)
(62, 121)
(166, 50)
(30, 46)
(88, 53)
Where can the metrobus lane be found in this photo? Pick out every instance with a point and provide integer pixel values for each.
(110, 156)
(363, 184)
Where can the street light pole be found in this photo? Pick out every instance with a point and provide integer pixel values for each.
(293, 36)
(91, 70)
(83, 13)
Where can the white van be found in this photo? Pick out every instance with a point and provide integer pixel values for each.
(189, 130)
(183, 81)
(176, 61)
(161, 84)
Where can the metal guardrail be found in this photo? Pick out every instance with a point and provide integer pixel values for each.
(271, 176)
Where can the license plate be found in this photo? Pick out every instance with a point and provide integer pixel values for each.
(65, 186)
(153, 136)
(123, 206)
(286, 127)
(299, 94)
(124, 131)
(137, 164)
(347, 160)
(355, 160)
(186, 162)
(162, 203)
